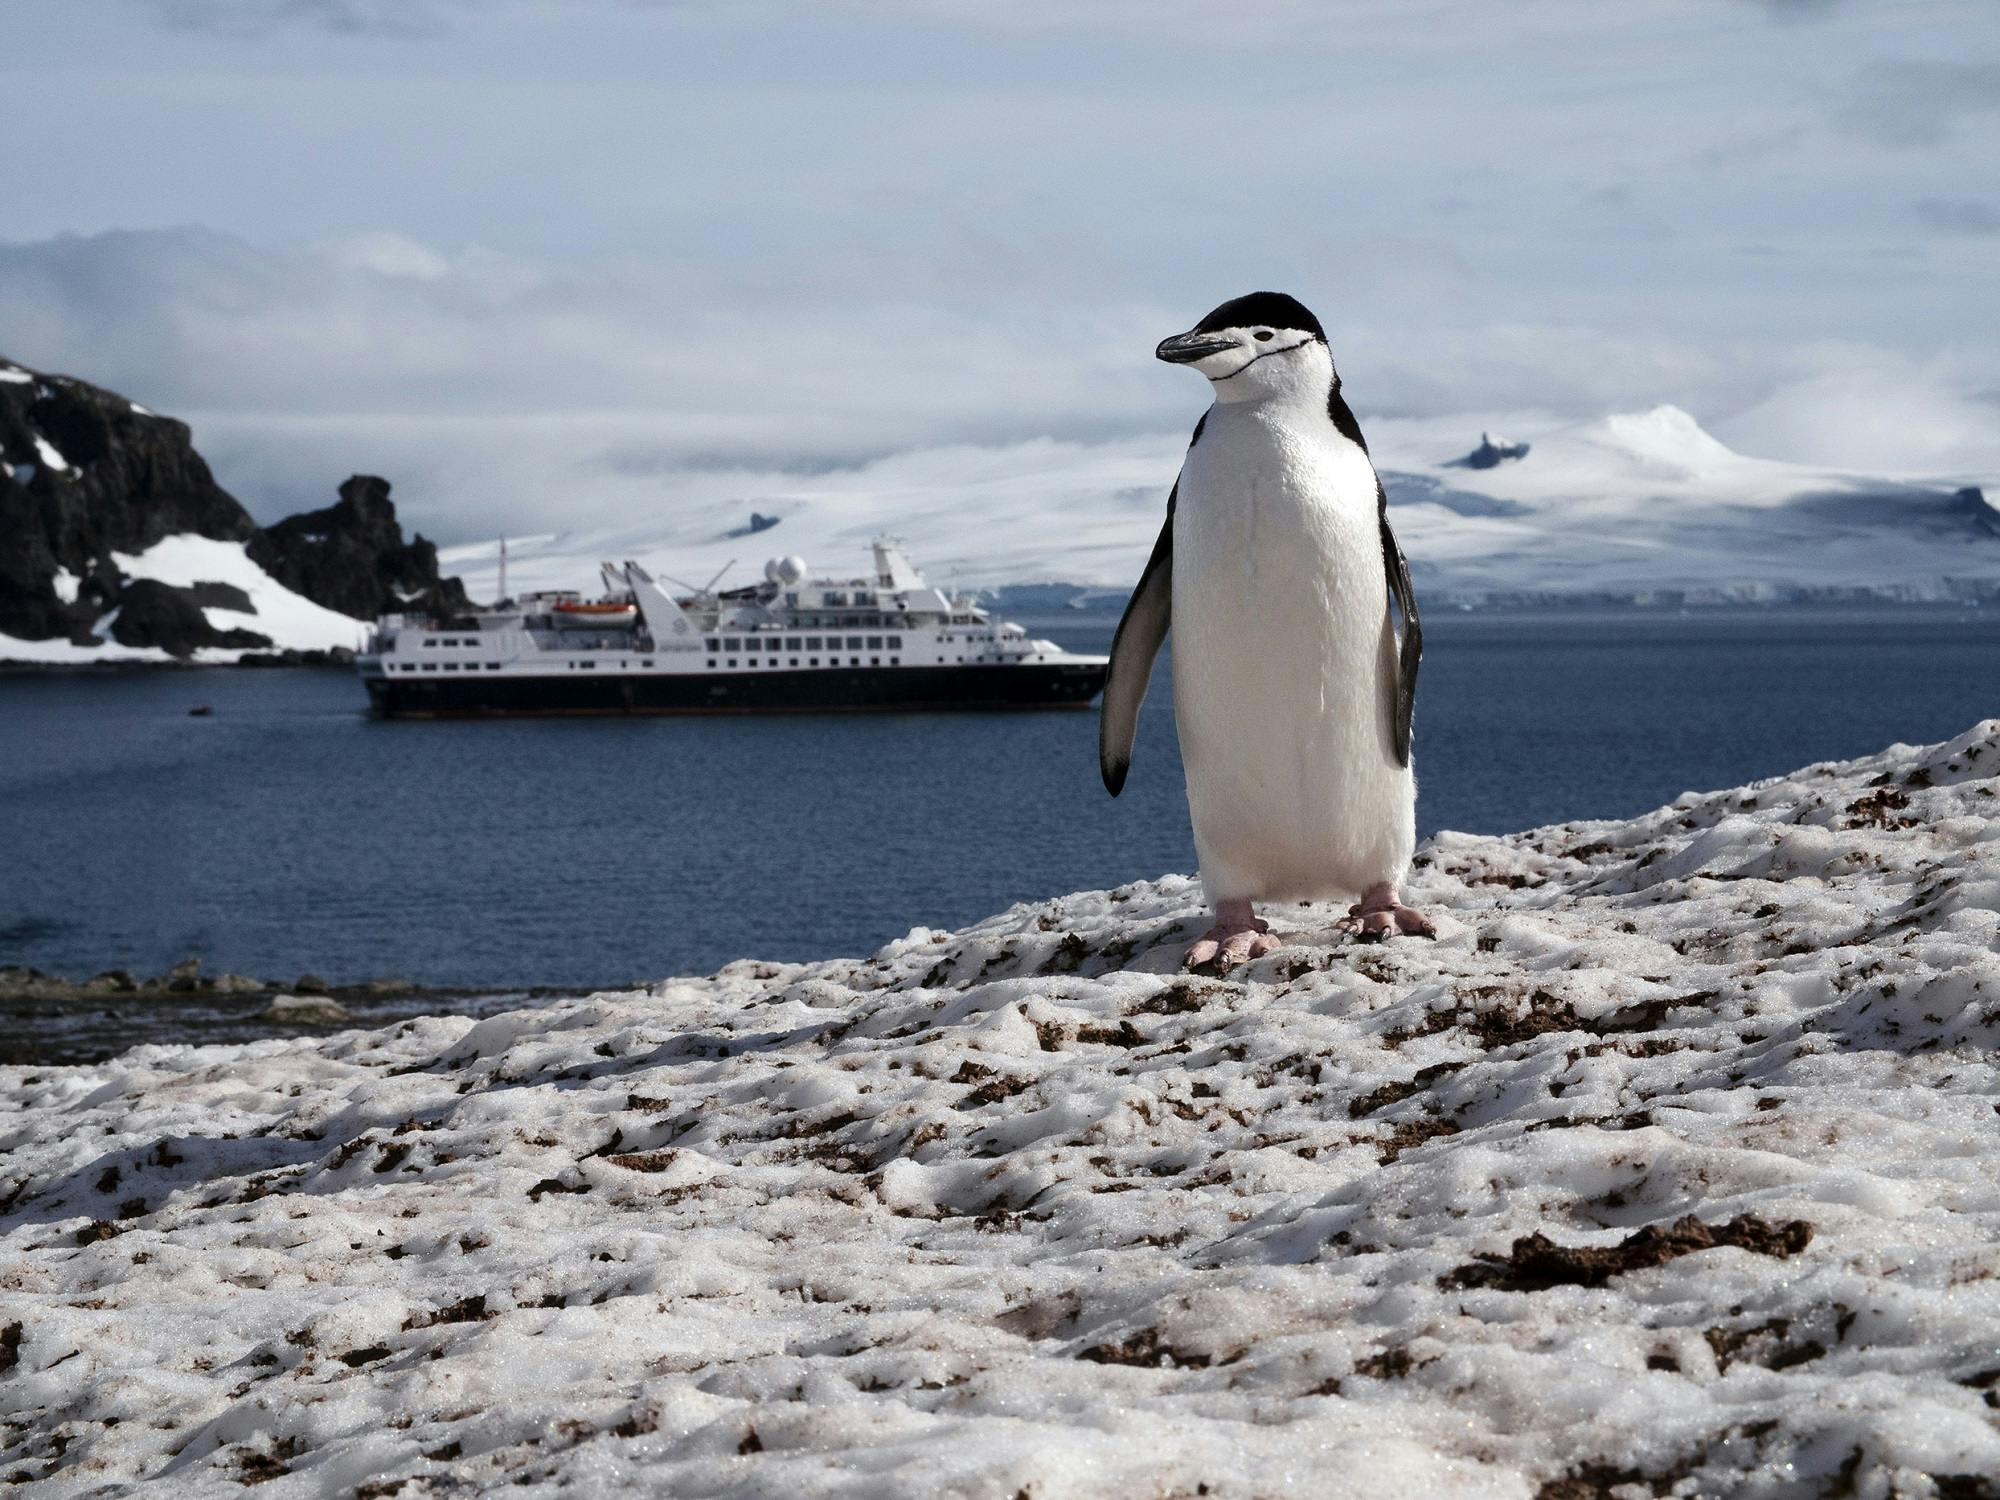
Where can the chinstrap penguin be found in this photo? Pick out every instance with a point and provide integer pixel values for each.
(1293, 688)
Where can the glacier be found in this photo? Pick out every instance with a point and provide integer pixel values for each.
(1632, 508)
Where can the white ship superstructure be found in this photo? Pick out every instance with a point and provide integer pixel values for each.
(886, 641)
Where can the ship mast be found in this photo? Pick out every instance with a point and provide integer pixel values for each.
(503, 570)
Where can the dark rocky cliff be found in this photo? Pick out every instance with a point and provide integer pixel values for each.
(352, 557)
(86, 474)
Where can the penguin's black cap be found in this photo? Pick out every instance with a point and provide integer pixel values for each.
(1270, 309)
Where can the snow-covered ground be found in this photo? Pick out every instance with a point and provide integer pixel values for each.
(1630, 507)
(1668, 1168)
(291, 621)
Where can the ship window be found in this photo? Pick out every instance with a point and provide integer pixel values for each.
(812, 643)
(854, 661)
(451, 666)
(895, 643)
(588, 666)
(874, 661)
(646, 661)
(732, 661)
(854, 643)
(430, 643)
(874, 643)
(711, 666)
(715, 645)
(795, 661)
(493, 666)
(867, 599)
(430, 666)
(813, 662)
(734, 643)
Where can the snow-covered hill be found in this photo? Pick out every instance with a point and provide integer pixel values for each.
(1644, 507)
(243, 598)
(117, 544)
(1667, 1169)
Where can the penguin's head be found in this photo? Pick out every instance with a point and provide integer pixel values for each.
(1254, 346)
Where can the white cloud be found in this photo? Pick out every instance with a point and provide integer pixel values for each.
(499, 393)
(1881, 412)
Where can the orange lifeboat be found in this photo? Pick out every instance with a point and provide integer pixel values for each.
(571, 614)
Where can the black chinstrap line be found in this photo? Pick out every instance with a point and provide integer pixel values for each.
(1218, 379)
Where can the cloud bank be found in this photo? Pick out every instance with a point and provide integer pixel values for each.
(529, 256)
(501, 394)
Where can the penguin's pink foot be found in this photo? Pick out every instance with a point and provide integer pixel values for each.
(1238, 936)
(1380, 914)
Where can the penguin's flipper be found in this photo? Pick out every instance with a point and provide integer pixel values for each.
(1412, 650)
(1140, 632)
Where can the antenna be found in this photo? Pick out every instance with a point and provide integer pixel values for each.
(682, 583)
(503, 570)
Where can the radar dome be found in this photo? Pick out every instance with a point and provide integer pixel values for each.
(789, 571)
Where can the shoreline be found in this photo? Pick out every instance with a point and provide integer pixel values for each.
(63, 1023)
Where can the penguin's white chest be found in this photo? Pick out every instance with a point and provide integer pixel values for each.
(1284, 660)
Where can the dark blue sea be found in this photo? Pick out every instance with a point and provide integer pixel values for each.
(287, 832)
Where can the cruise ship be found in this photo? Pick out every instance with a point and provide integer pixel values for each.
(889, 641)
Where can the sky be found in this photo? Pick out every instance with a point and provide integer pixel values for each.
(547, 264)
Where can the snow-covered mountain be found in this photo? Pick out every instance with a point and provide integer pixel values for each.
(117, 544)
(1638, 508)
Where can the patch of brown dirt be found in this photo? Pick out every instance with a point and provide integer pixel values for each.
(1145, 1350)
(1537, 1263)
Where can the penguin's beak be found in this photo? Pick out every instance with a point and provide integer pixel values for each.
(1186, 348)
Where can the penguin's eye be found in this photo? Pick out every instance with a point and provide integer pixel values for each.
(1263, 335)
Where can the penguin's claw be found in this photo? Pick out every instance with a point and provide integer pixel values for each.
(1380, 915)
(1236, 938)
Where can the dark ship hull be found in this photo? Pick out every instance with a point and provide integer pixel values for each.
(609, 690)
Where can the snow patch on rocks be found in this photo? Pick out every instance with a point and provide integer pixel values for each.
(1668, 1165)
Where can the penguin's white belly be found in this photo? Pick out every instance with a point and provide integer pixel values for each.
(1285, 664)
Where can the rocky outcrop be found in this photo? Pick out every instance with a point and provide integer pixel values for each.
(1490, 454)
(352, 557)
(151, 613)
(88, 477)
(85, 473)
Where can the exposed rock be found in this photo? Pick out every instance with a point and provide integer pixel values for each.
(755, 524)
(87, 476)
(352, 557)
(1491, 453)
(1973, 504)
(83, 474)
(152, 614)
(313, 1010)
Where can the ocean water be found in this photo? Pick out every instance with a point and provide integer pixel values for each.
(287, 832)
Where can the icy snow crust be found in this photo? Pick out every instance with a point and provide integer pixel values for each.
(1019, 1210)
